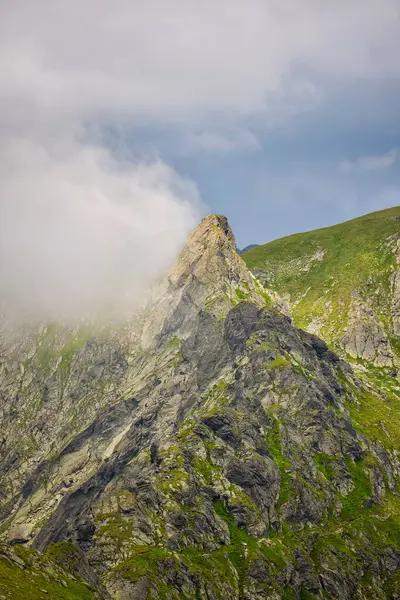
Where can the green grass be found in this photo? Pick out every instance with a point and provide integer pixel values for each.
(205, 469)
(353, 502)
(143, 561)
(377, 417)
(244, 548)
(239, 540)
(326, 464)
(330, 264)
(210, 566)
(279, 361)
(117, 528)
(40, 578)
(275, 447)
(305, 595)
(241, 294)
(147, 561)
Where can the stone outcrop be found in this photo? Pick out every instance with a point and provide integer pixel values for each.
(365, 336)
(395, 311)
(395, 289)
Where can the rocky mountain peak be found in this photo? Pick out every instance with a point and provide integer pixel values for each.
(208, 274)
(223, 453)
(209, 226)
(209, 252)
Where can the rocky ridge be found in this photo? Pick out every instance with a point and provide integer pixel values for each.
(209, 449)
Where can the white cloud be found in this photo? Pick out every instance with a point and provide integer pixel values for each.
(369, 163)
(169, 59)
(81, 235)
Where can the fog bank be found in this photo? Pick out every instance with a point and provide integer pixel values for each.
(81, 234)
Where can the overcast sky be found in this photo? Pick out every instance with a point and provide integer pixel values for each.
(131, 119)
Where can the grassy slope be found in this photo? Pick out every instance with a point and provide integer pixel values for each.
(354, 257)
(358, 260)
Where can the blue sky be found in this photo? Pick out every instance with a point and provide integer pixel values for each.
(330, 163)
(122, 123)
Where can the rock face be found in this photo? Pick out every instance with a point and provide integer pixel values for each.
(365, 336)
(208, 450)
(395, 287)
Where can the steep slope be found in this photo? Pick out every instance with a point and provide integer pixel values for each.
(343, 283)
(56, 381)
(209, 449)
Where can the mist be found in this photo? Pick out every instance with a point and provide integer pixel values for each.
(83, 235)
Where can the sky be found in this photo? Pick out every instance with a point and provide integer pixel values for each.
(122, 123)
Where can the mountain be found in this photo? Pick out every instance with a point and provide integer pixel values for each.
(206, 449)
(250, 247)
(343, 284)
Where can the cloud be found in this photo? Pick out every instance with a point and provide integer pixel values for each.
(83, 236)
(172, 59)
(369, 163)
(218, 142)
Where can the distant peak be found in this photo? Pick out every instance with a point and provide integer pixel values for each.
(249, 247)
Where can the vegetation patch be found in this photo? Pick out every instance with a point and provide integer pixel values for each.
(326, 464)
(377, 417)
(354, 501)
(278, 362)
(36, 576)
(275, 447)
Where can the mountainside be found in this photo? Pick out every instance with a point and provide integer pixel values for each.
(343, 283)
(207, 449)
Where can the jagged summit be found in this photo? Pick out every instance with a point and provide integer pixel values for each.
(207, 275)
(218, 221)
(208, 253)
